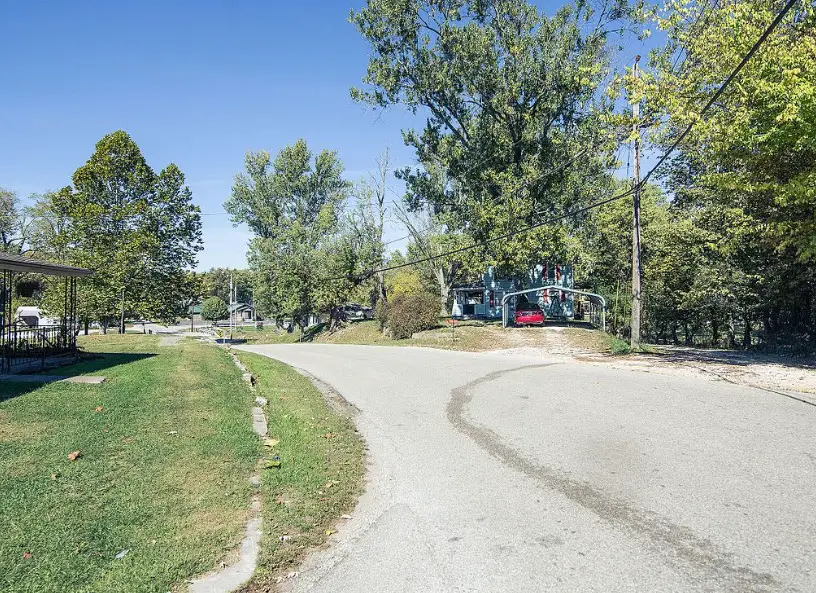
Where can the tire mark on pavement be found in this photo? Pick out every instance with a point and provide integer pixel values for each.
(680, 546)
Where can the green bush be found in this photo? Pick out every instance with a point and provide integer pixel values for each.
(412, 313)
(214, 309)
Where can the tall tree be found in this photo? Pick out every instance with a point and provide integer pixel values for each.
(515, 117)
(372, 200)
(139, 232)
(429, 242)
(746, 173)
(346, 257)
(216, 282)
(293, 205)
(13, 223)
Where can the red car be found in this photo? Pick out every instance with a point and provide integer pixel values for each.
(529, 314)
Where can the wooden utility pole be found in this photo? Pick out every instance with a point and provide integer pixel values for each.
(230, 307)
(636, 268)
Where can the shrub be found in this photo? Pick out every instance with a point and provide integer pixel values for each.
(412, 313)
(214, 309)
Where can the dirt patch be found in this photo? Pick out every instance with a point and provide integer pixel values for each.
(172, 340)
(13, 431)
(772, 373)
(547, 341)
(758, 372)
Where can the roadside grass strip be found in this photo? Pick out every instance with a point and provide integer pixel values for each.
(158, 488)
(320, 474)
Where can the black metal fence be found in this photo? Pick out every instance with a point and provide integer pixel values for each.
(21, 346)
(24, 346)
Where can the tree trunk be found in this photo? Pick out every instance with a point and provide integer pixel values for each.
(675, 340)
(122, 314)
(334, 318)
(715, 331)
(444, 291)
(688, 339)
(661, 333)
(382, 292)
(105, 326)
(87, 323)
(746, 332)
(732, 332)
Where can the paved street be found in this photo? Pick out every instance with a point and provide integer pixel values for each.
(490, 472)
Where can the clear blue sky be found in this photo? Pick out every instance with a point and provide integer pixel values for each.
(195, 83)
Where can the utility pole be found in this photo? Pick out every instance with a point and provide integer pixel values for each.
(230, 307)
(637, 297)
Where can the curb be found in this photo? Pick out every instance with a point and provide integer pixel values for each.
(230, 578)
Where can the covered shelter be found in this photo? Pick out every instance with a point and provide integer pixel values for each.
(23, 347)
(596, 313)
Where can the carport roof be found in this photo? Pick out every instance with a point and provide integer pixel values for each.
(22, 263)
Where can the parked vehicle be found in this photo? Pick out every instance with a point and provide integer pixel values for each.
(33, 317)
(529, 314)
(355, 312)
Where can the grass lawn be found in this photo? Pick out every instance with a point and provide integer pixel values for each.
(321, 471)
(163, 470)
(597, 341)
(471, 336)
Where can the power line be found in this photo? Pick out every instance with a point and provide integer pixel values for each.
(499, 238)
(724, 85)
(788, 6)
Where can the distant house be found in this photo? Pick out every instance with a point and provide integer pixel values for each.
(242, 312)
(483, 300)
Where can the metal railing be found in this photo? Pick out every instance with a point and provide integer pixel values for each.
(23, 345)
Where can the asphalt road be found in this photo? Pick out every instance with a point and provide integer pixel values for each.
(496, 473)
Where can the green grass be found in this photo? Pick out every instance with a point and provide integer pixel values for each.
(615, 345)
(321, 469)
(468, 336)
(177, 502)
(604, 342)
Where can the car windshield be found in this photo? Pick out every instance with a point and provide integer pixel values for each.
(527, 307)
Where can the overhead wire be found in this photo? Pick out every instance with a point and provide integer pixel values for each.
(723, 87)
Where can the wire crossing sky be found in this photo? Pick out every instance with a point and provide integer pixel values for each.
(194, 83)
(790, 4)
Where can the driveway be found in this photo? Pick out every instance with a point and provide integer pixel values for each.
(490, 472)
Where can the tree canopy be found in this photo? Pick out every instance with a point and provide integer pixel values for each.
(138, 231)
(295, 206)
(514, 130)
(214, 309)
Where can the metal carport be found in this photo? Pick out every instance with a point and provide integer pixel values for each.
(593, 298)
